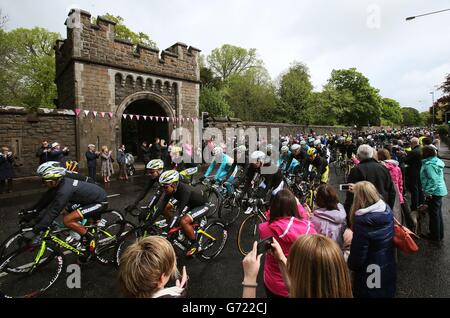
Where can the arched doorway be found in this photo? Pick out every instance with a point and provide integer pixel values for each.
(133, 131)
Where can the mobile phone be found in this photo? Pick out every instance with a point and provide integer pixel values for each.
(264, 245)
(344, 187)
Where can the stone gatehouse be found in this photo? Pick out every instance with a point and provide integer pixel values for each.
(96, 71)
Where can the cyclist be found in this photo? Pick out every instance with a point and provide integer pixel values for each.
(186, 196)
(284, 157)
(67, 172)
(350, 147)
(238, 161)
(82, 200)
(154, 169)
(226, 163)
(319, 163)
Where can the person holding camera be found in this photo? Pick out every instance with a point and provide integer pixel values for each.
(43, 152)
(58, 154)
(285, 224)
(6, 169)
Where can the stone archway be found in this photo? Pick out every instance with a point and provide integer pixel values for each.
(133, 132)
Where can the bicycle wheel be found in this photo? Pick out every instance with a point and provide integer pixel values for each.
(213, 197)
(230, 210)
(12, 243)
(24, 279)
(108, 238)
(125, 241)
(212, 240)
(248, 233)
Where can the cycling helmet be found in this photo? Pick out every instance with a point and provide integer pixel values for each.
(295, 147)
(72, 165)
(302, 143)
(155, 164)
(311, 151)
(284, 149)
(349, 139)
(285, 143)
(316, 143)
(47, 165)
(53, 173)
(258, 156)
(217, 151)
(311, 139)
(169, 177)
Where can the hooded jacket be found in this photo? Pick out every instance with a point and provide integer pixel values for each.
(432, 177)
(396, 175)
(286, 230)
(372, 244)
(331, 223)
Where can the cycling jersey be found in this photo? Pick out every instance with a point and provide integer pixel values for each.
(145, 191)
(321, 165)
(186, 196)
(77, 176)
(67, 192)
(271, 181)
(225, 164)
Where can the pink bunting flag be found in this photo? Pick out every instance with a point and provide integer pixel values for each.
(137, 117)
(131, 116)
(124, 116)
(156, 118)
(95, 113)
(86, 112)
(110, 114)
(77, 111)
(102, 114)
(151, 118)
(145, 117)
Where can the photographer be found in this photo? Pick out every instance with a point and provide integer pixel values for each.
(6, 169)
(43, 152)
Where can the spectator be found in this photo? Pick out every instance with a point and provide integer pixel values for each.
(397, 178)
(373, 231)
(370, 170)
(164, 152)
(121, 160)
(145, 149)
(434, 188)
(285, 224)
(155, 150)
(43, 152)
(314, 268)
(56, 154)
(413, 162)
(107, 164)
(330, 217)
(6, 170)
(147, 266)
(91, 158)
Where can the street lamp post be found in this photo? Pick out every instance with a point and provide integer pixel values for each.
(432, 98)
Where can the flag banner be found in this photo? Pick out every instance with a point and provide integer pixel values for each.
(156, 118)
(77, 111)
(110, 114)
(95, 113)
(124, 116)
(131, 116)
(137, 117)
(145, 117)
(102, 114)
(151, 118)
(167, 118)
(86, 112)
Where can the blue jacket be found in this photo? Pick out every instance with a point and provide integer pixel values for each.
(91, 158)
(372, 244)
(432, 177)
(121, 157)
(225, 165)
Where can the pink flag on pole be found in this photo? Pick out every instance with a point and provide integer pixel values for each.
(102, 114)
(77, 111)
(86, 112)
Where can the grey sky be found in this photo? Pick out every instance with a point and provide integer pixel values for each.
(405, 60)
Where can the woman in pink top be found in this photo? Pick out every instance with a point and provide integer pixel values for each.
(286, 225)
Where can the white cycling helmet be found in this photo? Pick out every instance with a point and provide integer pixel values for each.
(295, 147)
(316, 142)
(284, 149)
(258, 156)
(217, 151)
(169, 177)
(46, 166)
(155, 164)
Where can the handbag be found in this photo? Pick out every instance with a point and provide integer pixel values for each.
(403, 238)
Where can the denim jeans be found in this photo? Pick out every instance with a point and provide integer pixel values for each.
(436, 221)
(415, 188)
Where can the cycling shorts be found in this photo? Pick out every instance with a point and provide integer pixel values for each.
(89, 211)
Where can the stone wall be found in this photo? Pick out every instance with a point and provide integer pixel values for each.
(23, 134)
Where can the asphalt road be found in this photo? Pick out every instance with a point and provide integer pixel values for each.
(424, 274)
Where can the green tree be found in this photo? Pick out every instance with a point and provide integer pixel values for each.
(294, 93)
(124, 33)
(391, 112)
(365, 106)
(213, 101)
(411, 117)
(425, 118)
(322, 109)
(229, 60)
(27, 67)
